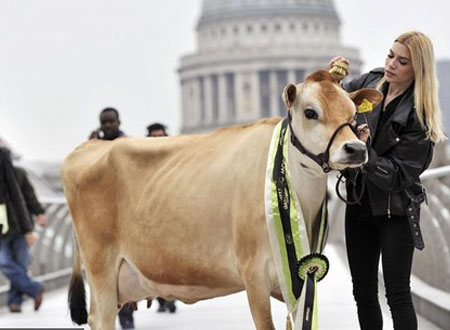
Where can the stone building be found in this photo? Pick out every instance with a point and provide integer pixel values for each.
(247, 51)
(443, 73)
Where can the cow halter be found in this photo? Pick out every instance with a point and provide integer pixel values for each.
(323, 158)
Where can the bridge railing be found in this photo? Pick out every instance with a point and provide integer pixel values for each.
(53, 251)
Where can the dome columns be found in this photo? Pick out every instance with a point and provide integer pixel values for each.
(225, 98)
(248, 51)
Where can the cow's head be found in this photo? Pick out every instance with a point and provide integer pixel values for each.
(319, 110)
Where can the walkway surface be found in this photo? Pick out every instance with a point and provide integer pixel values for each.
(337, 310)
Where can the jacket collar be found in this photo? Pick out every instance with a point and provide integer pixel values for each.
(386, 136)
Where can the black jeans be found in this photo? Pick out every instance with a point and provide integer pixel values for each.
(368, 237)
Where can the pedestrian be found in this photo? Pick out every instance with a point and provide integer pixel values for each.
(156, 130)
(109, 125)
(110, 130)
(16, 237)
(159, 130)
(386, 192)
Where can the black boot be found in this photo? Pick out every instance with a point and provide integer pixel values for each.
(171, 306)
(162, 305)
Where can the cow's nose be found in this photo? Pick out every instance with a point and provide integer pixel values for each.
(355, 151)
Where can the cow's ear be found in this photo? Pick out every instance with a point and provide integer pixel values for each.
(370, 94)
(289, 95)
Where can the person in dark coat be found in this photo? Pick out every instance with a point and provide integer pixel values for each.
(110, 130)
(16, 236)
(384, 220)
(109, 125)
(34, 207)
(156, 130)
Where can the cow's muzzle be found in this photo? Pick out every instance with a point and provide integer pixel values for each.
(355, 152)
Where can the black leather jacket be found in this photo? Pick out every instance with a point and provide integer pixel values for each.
(400, 154)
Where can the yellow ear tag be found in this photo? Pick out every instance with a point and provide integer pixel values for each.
(365, 106)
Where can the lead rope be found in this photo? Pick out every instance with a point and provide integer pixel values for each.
(356, 197)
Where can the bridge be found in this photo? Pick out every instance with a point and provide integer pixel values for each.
(52, 260)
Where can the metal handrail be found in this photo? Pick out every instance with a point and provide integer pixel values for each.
(53, 200)
(434, 173)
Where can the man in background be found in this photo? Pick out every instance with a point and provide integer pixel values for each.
(109, 126)
(156, 130)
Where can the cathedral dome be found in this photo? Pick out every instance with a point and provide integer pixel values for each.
(228, 25)
(248, 50)
(218, 10)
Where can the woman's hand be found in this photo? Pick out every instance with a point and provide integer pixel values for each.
(338, 59)
(363, 132)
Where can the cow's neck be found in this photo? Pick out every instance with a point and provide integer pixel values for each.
(310, 187)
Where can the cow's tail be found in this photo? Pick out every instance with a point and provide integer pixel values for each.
(77, 293)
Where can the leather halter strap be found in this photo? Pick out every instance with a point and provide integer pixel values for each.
(323, 158)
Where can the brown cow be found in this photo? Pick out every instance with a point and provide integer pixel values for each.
(184, 218)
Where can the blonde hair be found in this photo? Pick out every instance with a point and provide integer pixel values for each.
(426, 97)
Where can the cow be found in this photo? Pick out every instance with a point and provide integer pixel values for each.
(184, 218)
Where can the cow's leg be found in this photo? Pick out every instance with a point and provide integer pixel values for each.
(102, 315)
(91, 317)
(101, 266)
(258, 293)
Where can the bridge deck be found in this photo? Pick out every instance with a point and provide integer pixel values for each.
(337, 310)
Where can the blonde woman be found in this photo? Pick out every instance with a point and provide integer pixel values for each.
(383, 219)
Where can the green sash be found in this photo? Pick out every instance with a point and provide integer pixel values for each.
(298, 268)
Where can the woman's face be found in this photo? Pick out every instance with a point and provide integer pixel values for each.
(398, 67)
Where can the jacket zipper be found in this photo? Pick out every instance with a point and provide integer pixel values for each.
(389, 206)
(382, 170)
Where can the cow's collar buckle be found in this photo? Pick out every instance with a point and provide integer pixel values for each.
(326, 168)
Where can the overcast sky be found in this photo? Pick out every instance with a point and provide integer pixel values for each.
(62, 61)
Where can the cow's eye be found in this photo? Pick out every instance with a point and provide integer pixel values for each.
(311, 114)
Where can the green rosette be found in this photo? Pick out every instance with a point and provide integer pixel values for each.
(314, 263)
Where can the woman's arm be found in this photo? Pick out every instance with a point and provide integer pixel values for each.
(403, 164)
